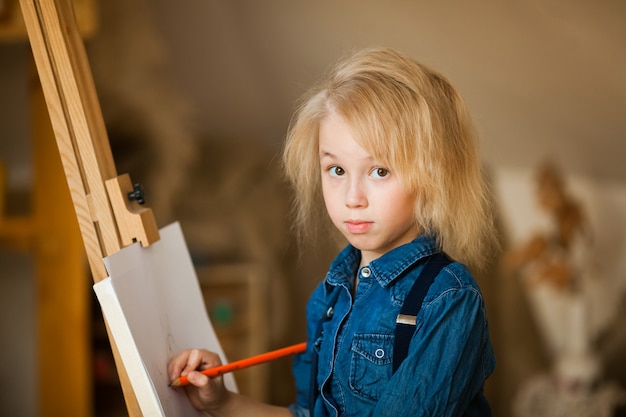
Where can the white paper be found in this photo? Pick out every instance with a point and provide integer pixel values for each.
(154, 307)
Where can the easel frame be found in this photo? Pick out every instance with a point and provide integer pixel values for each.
(108, 220)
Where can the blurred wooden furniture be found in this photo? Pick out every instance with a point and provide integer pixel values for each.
(50, 233)
(236, 297)
(12, 28)
(107, 219)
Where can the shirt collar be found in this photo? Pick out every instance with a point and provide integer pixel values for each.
(386, 268)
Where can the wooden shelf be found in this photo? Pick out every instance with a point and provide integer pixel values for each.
(235, 296)
(12, 26)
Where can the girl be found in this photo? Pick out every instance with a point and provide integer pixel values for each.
(386, 145)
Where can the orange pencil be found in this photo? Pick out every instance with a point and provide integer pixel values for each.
(245, 363)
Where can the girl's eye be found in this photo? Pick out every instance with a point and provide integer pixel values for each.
(336, 171)
(380, 172)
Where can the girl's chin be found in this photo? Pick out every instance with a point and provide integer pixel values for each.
(361, 242)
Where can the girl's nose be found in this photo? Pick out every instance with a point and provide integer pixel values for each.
(355, 195)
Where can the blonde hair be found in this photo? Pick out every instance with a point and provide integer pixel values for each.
(411, 119)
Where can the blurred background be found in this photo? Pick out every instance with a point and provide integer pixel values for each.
(197, 96)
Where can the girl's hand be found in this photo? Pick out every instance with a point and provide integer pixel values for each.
(205, 394)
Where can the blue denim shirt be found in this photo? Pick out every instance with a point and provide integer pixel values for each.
(449, 358)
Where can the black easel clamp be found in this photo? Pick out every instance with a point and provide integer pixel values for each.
(137, 194)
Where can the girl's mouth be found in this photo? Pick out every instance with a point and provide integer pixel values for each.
(358, 226)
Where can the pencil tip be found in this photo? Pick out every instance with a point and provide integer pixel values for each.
(174, 383)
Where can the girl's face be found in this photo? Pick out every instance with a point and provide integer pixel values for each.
(365, 200)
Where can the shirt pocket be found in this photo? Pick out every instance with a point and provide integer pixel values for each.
(370, 367)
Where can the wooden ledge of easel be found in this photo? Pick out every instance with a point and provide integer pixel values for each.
(135, 223)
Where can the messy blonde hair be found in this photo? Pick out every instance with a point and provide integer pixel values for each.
(411, 119)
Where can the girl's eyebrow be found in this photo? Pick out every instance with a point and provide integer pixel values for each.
(326, 154)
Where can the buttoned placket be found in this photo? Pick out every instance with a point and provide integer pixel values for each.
(334, 313)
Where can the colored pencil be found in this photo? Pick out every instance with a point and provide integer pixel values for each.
(245, 363)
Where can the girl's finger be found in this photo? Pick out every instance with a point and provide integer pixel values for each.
(177, 364)
(193, 362)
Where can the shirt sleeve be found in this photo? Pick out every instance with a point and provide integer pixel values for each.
(298, 411)
(449, 359)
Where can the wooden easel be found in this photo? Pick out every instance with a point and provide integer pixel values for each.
(108, 218)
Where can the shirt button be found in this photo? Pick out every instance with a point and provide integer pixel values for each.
(380, 353)
(366, 272)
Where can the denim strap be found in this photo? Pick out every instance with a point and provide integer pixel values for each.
(406, 320)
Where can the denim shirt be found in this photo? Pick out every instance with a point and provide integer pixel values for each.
(449, 358)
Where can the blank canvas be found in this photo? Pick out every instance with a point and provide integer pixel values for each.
(154, 308)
